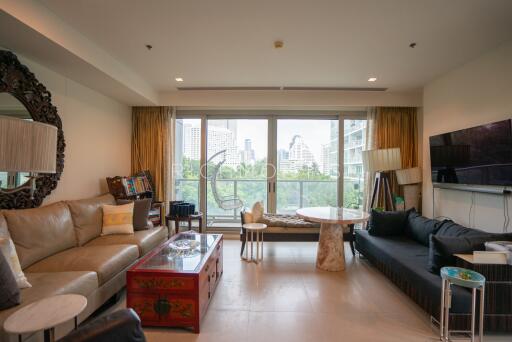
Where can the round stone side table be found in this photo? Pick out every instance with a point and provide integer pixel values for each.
(252, 228)
(45, 314)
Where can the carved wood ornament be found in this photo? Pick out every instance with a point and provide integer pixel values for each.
(17, 80)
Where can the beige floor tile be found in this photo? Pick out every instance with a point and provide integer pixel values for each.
(286, 298)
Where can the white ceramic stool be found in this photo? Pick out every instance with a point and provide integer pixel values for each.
(252, 228)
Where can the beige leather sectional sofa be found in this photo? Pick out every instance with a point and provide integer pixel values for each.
(61, 251)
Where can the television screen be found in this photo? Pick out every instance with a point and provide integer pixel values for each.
(479, 155)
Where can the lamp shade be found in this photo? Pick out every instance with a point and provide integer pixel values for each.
(387, 159)
(409, 176)
(27, 146)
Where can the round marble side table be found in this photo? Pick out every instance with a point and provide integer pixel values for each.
(252, 228)
(45, 314)
(331, 252)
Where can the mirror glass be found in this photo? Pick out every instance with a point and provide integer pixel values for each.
(10, 106)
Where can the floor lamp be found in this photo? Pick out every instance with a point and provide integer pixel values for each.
(409, 179)
(382, 162)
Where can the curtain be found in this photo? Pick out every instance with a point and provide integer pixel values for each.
(371, 116)
(389, 127)
(152, 132)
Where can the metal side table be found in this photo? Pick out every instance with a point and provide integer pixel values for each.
(468, 279)
(252, 228)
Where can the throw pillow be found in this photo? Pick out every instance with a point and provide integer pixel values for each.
(117, 219)
(248, 218)
(9, 253)
(419, 227)
(442, 248)
(9, 291)
(257, 211)
(450, 228)
(387, 223)
(140, 212)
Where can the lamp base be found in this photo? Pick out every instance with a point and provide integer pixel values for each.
(382, 187)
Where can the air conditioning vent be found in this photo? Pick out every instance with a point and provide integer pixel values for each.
(286, 88)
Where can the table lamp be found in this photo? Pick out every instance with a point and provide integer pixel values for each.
(382, 162)
(27, 146)
(410, 179)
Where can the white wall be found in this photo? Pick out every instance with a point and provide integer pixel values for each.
(97, 131)
(476, 93)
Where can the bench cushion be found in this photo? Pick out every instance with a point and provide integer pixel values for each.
(106, 261)
(288, 221)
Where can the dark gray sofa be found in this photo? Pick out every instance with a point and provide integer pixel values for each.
(404, 260)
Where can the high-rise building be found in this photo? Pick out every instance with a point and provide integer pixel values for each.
(192, 142)
(247, 155)
(297, 156)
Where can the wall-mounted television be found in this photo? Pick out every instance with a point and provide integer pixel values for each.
(480, 155)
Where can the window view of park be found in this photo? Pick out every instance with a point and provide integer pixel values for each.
(236, 172)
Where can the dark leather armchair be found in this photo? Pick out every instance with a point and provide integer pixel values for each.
(120, 326)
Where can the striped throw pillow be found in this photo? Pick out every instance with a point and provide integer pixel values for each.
(117, 219)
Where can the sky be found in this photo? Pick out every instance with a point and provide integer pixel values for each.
(315, 133)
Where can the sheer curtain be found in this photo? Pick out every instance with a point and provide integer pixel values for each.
(371, 117)
(152, 146)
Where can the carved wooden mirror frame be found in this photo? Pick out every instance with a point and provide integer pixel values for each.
(17, 80)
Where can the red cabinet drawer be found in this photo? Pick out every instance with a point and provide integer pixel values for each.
(160, 282)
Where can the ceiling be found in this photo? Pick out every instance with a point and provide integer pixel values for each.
(326, 43)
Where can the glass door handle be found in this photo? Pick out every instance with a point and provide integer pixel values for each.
(274, 190)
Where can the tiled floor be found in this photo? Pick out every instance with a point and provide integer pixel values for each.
(287, 299)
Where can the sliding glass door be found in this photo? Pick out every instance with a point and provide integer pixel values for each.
(236, 173)
(225, 163)
(307, 164)
(354, 142)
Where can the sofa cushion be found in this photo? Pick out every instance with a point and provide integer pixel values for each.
(9, 291)
(87, 216)
(106, 261)
(40, 232)
(387, 223)
(140, 212)
(145, 240)
(419, 227)
(9, 251)
(54, 283)
(407, 260)
(450, 228)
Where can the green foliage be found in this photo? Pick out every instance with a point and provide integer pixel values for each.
(317, 189)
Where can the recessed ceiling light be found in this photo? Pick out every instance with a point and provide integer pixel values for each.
(372, 79)
(179, 79)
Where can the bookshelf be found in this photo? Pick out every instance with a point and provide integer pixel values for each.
(136, 187)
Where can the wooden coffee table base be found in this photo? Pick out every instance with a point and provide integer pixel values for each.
(331, 251)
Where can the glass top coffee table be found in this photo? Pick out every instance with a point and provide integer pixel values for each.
(173, 285)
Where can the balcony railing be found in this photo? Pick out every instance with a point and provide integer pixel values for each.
(291, 195)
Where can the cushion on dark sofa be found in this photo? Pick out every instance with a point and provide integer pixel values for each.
(443, 248)
(450, 228)
(9, 291)
(419, 227)
(387, 223)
